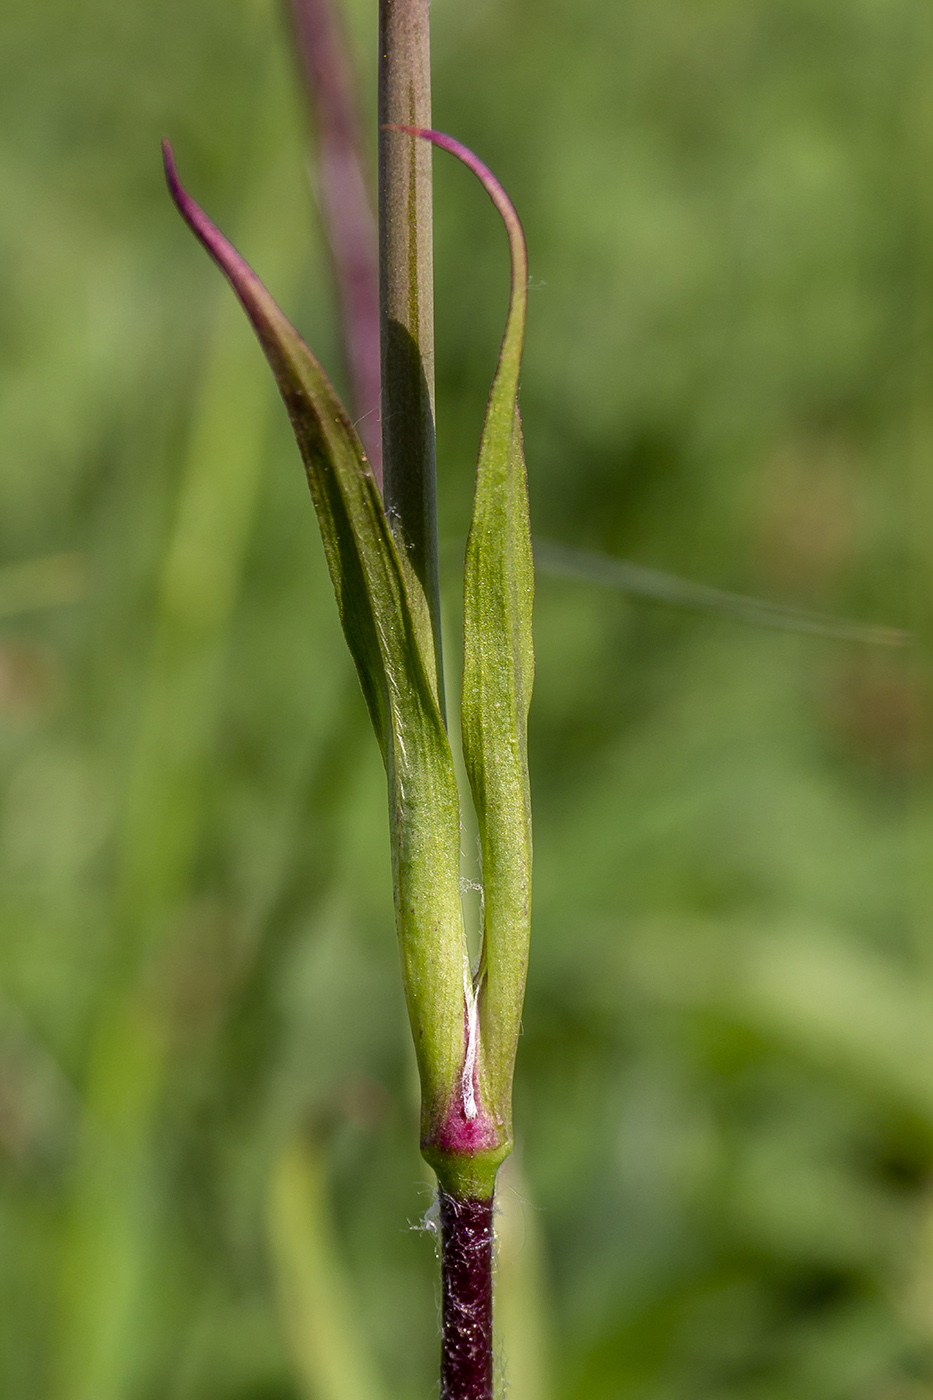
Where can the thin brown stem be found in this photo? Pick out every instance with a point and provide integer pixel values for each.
(406, 275)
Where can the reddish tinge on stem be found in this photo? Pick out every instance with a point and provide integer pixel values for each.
(466, 1309)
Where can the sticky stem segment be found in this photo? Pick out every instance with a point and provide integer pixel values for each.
(466, 1308)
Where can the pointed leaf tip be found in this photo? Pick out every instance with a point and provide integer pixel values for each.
(493, 187)
(388, 629)
(252, 295)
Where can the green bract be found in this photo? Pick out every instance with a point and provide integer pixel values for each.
(465, 1028)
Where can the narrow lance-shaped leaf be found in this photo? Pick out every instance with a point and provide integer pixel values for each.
(385, 620)
(498, 669)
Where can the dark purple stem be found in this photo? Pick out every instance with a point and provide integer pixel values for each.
(346, 208)
(466, 1310)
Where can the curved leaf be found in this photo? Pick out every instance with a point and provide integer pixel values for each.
(498, 670)
(385, 621)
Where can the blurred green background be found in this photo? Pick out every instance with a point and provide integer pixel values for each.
(209, 1182)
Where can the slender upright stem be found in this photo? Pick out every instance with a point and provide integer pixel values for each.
(407, 293)
(346, 208)
(407, 326)
(466, 1310)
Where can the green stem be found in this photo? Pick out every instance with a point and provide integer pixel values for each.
(406, 301)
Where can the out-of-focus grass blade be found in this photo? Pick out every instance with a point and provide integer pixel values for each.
(113, 1230)
(47, 582)
(521, 1320)
(328, 1347)
(345, 203)
(589, 567)
(848, 1007)
(387, 627)
(850, 1010)
(498, 670)
(40, 1103)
